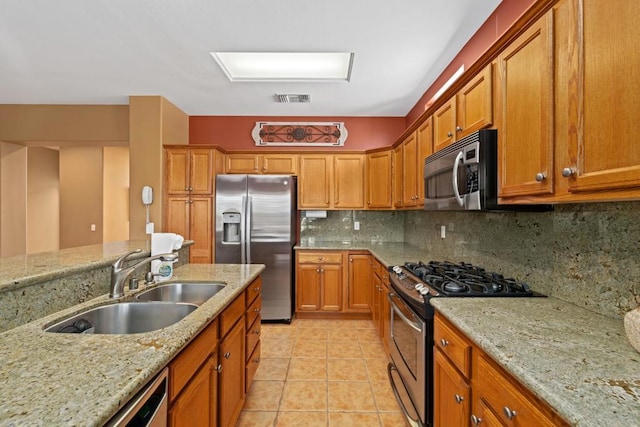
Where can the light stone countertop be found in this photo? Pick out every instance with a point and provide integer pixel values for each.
(576, 360)
(23, 270)
(75, 379)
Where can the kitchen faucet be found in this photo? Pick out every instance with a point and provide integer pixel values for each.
(119, 274)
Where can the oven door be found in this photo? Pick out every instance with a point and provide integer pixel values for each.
(410, 361)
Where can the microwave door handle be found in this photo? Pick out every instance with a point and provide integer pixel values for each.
(456, 164)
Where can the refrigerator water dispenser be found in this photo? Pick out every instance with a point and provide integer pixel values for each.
(231, 227)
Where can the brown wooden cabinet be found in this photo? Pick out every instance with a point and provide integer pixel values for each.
(282, 163)
(331, 181)
(398, 176)
(319, 281)
(359, 284)
(409, 172)
(469, 110)
(424, 150)
(253, 318)
(470, 386)
(409, 164)
(189, 198)
(231, 384)
(380, 309)
(192, 390)
(525, 112)
(379, 180)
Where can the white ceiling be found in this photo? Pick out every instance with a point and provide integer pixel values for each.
(102, 51)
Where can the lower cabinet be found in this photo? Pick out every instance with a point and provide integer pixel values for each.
(359, 284)
(319, 281)
(380, 308)
(469, 387)
(209, 378)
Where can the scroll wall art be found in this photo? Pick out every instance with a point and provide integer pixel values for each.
(314, 134)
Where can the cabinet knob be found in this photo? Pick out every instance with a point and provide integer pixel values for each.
(458, 398)
(541, 176)
(190, 188)
(458, 128)
(257, 310)
(256, 360)
(219, 368)
(568, 172)
(264, 168)
(227, 355)
(475, 420)
(322, 270)
(256, 289)
(190, 201)
(444, 342)
(509, 413)
(318, 271)
(186, 188)
(449, 134)
(368, 202)
(257, 331)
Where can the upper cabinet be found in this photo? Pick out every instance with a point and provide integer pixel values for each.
(409, 167)
(285, 164)
(379, 180)
(189, 171)
(331, 181)
(566, 99)
(397, 169)
(469, 110)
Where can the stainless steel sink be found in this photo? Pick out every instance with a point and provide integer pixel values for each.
(188, 292)
(124, 318)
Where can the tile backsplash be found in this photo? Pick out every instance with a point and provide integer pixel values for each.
(586, 254)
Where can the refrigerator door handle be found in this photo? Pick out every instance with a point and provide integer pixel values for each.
(243, 232)
(249, 207)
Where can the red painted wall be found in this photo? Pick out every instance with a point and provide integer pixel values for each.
(505, 15)
(234, 132)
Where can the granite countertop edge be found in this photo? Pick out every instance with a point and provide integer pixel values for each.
(70, 379)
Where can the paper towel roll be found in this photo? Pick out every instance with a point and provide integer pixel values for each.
(164, 243)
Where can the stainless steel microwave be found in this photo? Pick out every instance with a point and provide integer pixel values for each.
(463, 176)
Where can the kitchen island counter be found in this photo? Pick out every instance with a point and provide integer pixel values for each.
(77, 379)
(577, 361)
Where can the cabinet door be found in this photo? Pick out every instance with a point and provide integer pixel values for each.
(444, 124)
(177, 171)
(483, 415)
(379, 180)
(314, 183)
(213, 394)
(176, 217)
(201, 171)
(409, 162)
(193, 406)
(359, 286)
(398, 181)
(385, 312)
(452, 402)
(425, 149)
(376, 303)
(474, 110)
(525, 92)
(603, 149)
(348, 191)
(331, 287)
(241, 163)
(231, 381)
(286, 164)
(201, 229)
(308, 287)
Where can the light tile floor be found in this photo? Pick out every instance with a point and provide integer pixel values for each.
(321, 373)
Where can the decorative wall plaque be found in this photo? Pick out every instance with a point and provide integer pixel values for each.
(315, 134)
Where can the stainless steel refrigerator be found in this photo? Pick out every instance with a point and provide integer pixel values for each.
(256, 221)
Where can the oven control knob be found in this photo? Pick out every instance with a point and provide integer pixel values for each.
(397, 269)
(418, 287)
(424, 291)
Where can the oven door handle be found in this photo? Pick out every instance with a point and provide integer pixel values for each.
(411, 421)
(456, 164)
(413, 325)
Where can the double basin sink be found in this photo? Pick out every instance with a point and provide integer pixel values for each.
(155, 308)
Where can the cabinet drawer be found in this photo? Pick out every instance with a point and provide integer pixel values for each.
(505, 397)
(253, 336)
(185, 365)
(231, 314)
(252, 366)
(253, 311)
(253, 291)
(379, 269)
(319, 257)
(451, 343)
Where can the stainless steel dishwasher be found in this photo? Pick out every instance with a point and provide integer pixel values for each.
(149, 408)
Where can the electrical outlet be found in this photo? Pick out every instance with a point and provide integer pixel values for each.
(443, 231)
(93, 227)
(356, 225)
(149, 228)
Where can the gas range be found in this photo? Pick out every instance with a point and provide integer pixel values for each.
(417, 282)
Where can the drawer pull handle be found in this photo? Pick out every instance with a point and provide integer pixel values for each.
(476, 420)
(444, 342)
(227, 355)
(459, 398)
(509, 413)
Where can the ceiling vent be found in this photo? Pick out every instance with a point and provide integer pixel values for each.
(290, 97)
